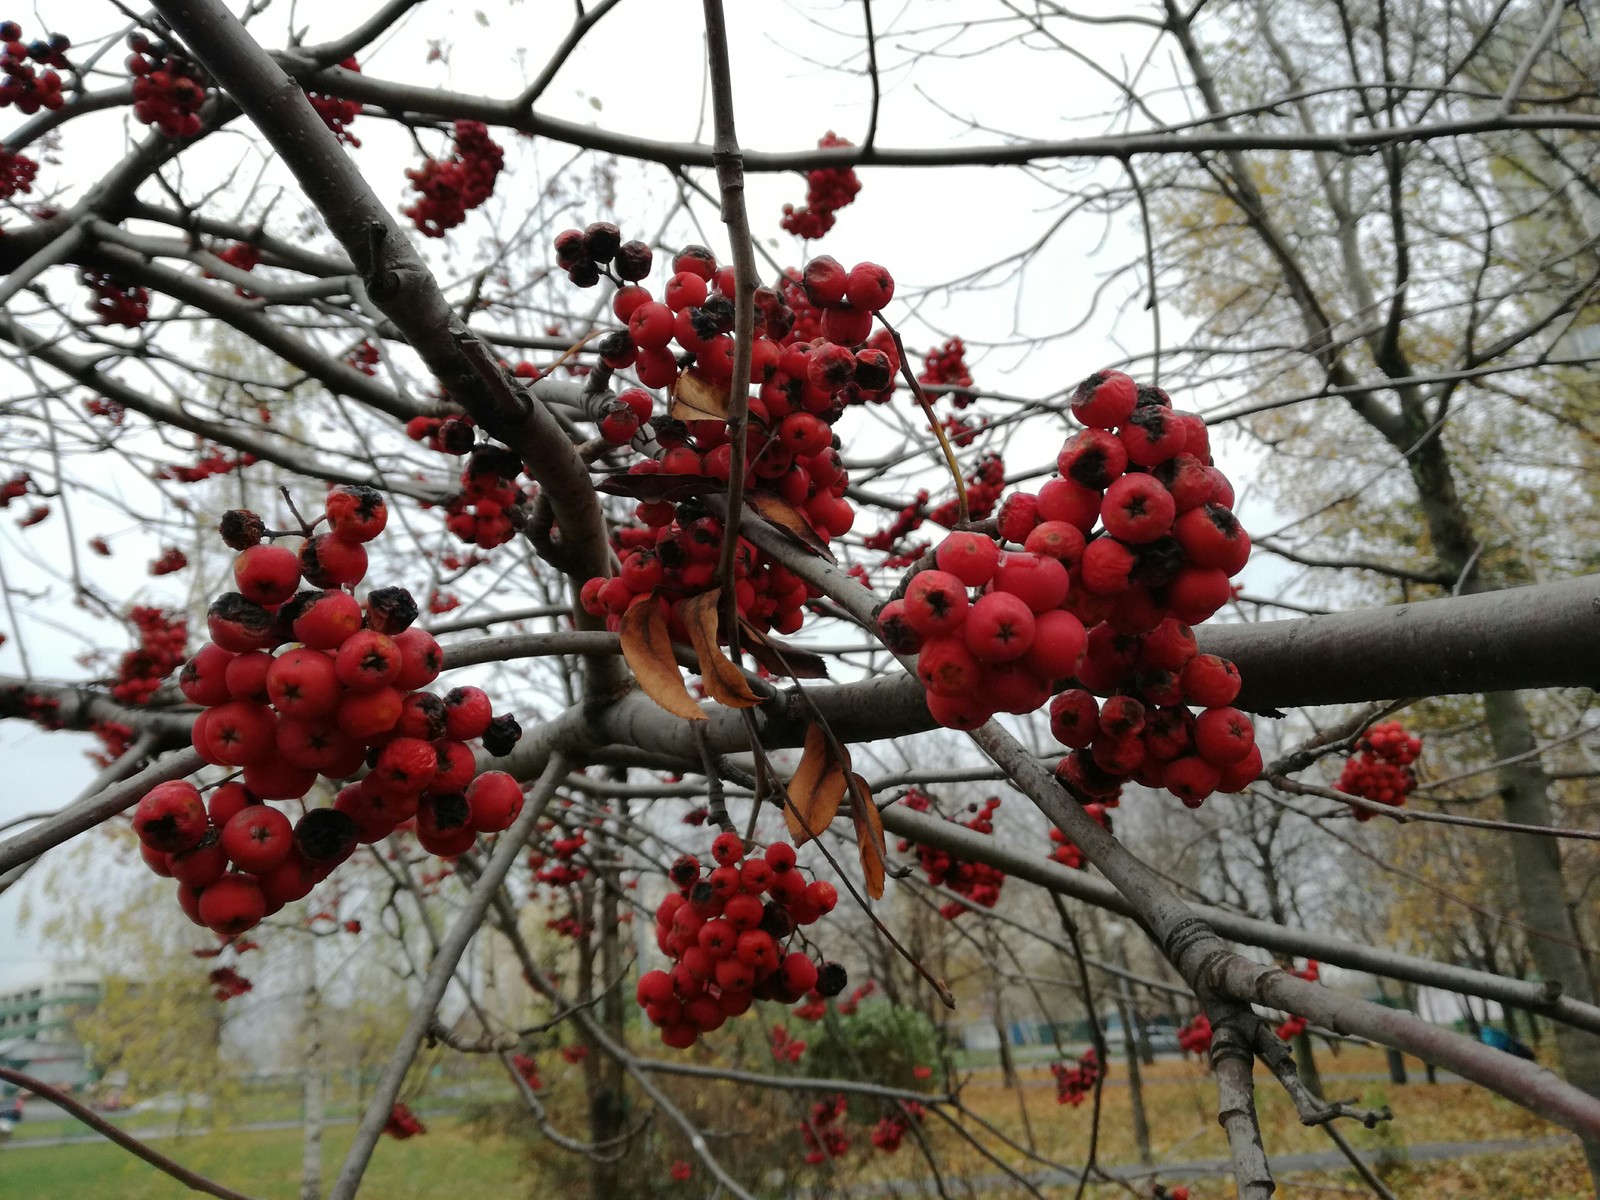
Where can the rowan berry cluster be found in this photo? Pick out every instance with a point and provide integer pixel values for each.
(228, 984)
(168, 87)
(891, 1130)
(1067, 852)
(978, 882)
(213, 462)
(808, 364)
(824, 1134)
(163, 638)
(337, 114)
(115, 302)
(345, 696)
(528, 1070)
(170, 561)
(1195, 1037)
(785, 1048)
(946, 366)
(1381, 767)
(1107, 609)
(828, 189)
(242, 256)
(403, 1123)
(17, 173)
(452, 187)
(364, 358)
(726, 941)
(116, 738)
(1075, 1082)
(30, 90)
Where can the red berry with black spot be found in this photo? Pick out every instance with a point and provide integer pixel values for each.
(727, 849)
(894, 628)
(258, 838)
(171, 817)
(999, 628)
(936, 603)
(1074, 718)
(494, 800)
(869, 287)
(1151, 436)
(367, 660)
(238, 624)
(267, 574)
(467, 713)
(780, 857)
(204, 678)
(327, 620)
(329, 561)
(1223, 736)
(1093, 459)
(1211, 536)
(232, 905)
(1105, 400)
(454, 766)
(1137, 509)
(421, 659)
(241, 528)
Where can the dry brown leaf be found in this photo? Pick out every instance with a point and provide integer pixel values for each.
(648, 649)
(869, 838)
(775, 510)
(695, 398)
(725, 683)
(817, 788)
(782, 658)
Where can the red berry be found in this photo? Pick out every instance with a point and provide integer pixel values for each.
(367, 660)
(232, 905)
(1211, 536)
(467, 713)
(203, 678)
(1041, 583)
(1137, 509)
(170, 817)
(258, 838)
(1093, 459)
(948, 668)
(1191, 779)
(495, 801)
(1064, 500)
(303, 683)
(1105, 400)
(267, 574)
(1018, 516)
(1107, 567)
(936, 602)
(327, 619)
(999, 628)
(1223, 736)
(1196, 593)
(869, 287)
(970, 557)
(1058, 641)
(329, 561)
(421, 659)
(1074, 718)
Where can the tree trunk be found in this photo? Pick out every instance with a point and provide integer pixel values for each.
(311, 1082)
(1552, 939)
(1130, 1047)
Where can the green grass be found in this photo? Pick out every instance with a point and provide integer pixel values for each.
(449, 1161)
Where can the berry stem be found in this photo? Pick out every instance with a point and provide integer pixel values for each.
(962, 518)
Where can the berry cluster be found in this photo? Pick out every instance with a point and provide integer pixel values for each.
(828, 189)
(115, 302)
(171, 560)
(214, 461)
(1075, 1082)
(785, 1048)
(337, 114)
(726, 941)
(168, 87)
(228, 984)
(824, 1133)
(344, 697)
(452, 187)
(1067, 852)
(163, 637)
(985, 483)
(1110, 609)
(22, 86)
(403, 1123)
(17, 173)
(978, 882)
(18, 486)
(364, 358)
(946, 366)
(242, 256)
(586, 255)
(1381, 768)
(1195, 1037)
(891, 1130)
(1294, 1026)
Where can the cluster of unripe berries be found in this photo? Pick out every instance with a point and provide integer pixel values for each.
(1128, 547)
(337, 114)
(828, 189)
(115, 302)
(725, 930)
(1076, 1080)
(168, 87)
(979, 883)
(1380, 770)
(20, 84)
(342, 694)
(452, 187)
(17, 173)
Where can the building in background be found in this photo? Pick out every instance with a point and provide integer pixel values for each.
(36, 1015)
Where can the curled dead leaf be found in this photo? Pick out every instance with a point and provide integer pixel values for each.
(782, 658)
(648, 649)
(817, 788)
(869, 837)
(778, 512)
(725, 683)
(695, 398)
